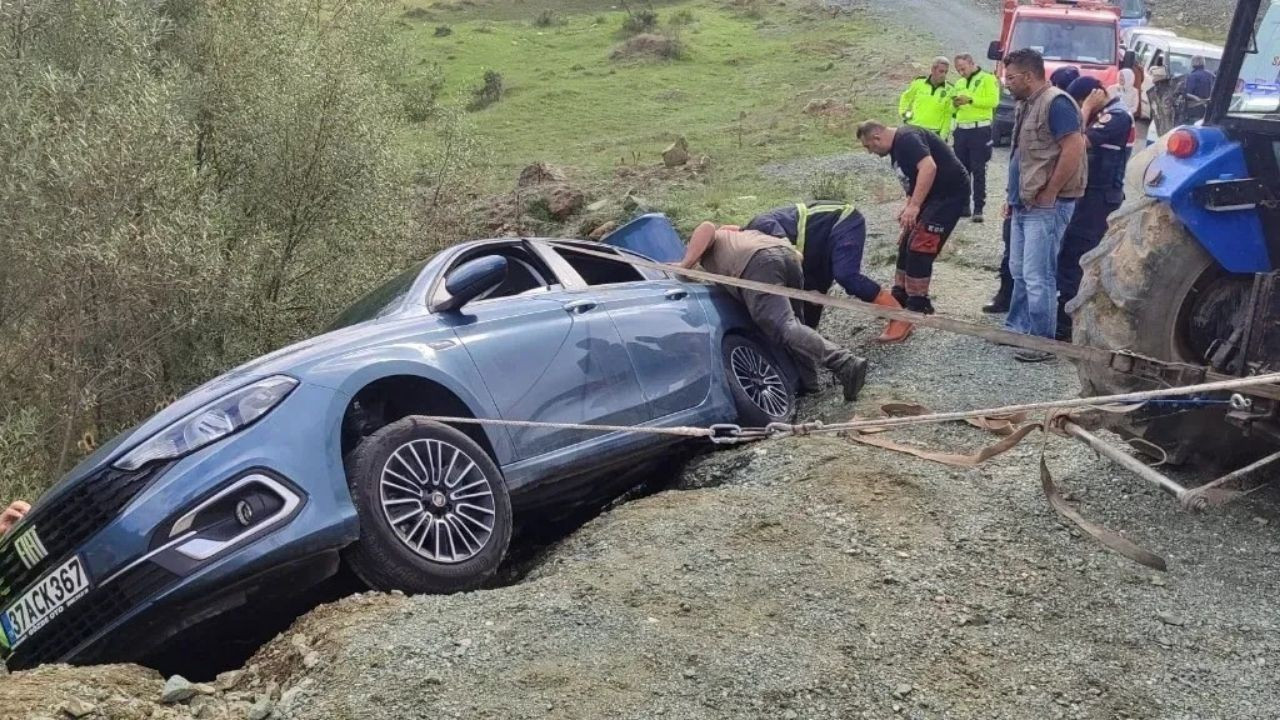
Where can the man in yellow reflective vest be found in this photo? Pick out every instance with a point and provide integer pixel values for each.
(830, 237)
(977, 93)
(927, 101)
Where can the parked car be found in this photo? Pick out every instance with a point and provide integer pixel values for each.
(1132, 36)
(266, 478)
(1175, 54)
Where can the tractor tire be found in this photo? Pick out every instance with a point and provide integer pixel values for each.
(1137, 288)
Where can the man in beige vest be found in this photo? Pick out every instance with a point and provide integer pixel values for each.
(1047, 175)
(752, 255)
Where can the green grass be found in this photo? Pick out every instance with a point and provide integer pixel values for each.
(737, 96)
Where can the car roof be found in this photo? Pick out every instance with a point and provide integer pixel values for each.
(1194, 47)
(1068, 12)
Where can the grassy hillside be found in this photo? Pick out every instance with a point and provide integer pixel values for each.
(737, 92)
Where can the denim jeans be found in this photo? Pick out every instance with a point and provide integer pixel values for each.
(1035, 241)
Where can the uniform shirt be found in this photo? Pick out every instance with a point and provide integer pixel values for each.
(731, 250)
(984, 90)
(821, 230)
(1199, 83)
(1110, 136)
(911, 145)
(928, 106)
(1064, 119)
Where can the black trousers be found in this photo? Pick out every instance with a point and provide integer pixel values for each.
(919, 246)
(1006, 277)
(1084, 232)
(973, 147)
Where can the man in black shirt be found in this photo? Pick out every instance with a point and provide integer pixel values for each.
(937, 188)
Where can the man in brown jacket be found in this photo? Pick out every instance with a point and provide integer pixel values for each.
(752, 255)
(1047, 175)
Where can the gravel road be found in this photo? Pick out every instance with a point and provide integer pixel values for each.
(806, 578)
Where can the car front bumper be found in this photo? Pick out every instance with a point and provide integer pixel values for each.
(121, 526)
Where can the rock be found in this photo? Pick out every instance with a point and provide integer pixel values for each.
(1169, 618)
(261, 710)
(677, 153)
(538, 174)
(902, 690)
(598, 205)
(633, 203)
(310, 660)
(1262, 521)
(300, 642)
(177, 689)
(603, 230)
(78, 708)
(228, 680)
(1157, 581)
(790, 715)
(205, 689)
(565, 202)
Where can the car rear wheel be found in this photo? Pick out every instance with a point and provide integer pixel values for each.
(435, 515)
(760, 389)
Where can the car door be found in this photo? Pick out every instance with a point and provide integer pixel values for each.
(663, 326)
(548, 354)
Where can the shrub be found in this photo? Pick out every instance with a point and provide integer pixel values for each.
(488, 93)
(830, 186)
(667, 46)
(545, 19)
(643, 20)
(421, 94)
(684, 17)
(443, 31)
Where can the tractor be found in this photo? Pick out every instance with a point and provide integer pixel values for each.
(1188, 274)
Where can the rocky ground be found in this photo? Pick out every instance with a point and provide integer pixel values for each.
(804, 578)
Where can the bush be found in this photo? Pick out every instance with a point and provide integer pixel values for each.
(643, 20)
(443, 31)
(667, 46)
(684, 17)
(421, 95)
(546, 19)
(830, 186)
(187, 185)
(488, 93)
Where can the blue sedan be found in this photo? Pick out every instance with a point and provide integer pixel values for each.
(326, 452)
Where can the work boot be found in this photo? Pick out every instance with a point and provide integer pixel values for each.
(977, 218)
(999, 302)
(897, 330)
(852, 374)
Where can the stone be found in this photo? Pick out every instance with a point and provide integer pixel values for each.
(598, 205)
(205, 689)
(538, 174)
(633, 203)
(311, 660)
(677, 153)
(300, 641)
(603, 230)
(177, 689)
(565, 202)
(902, 690)
(228, 680)
(261, 710)
(790, 715)
(1169, 618)
(78, 708)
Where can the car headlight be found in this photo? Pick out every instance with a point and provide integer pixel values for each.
(211, 423)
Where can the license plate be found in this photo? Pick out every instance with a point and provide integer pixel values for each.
(44, 601)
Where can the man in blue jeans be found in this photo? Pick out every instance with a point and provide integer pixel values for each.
(1047, 176)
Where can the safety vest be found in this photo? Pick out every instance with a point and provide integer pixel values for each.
(984, 90)
(804, 211)
(927, 106)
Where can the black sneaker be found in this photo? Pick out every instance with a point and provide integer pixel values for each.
(977, 218)
(998, 305)
(852, 376)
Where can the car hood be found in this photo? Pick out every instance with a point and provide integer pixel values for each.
(294, 360)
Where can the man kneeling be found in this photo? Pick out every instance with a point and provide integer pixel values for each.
(751, 255)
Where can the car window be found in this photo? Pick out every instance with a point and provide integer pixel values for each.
(1067, 41)
(380, 302)
(598, 271)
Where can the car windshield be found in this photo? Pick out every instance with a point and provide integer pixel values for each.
(1066, 41)
(1180, 64)
(1132, 9)
(379, 302)
(1258, 88)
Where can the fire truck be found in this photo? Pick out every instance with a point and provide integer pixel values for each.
(1083, 33)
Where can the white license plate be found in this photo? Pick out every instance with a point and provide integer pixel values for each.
(44, 601)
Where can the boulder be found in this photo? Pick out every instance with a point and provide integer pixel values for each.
(677, 153)
(539, 173)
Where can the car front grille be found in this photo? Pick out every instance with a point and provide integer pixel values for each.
(90, 615)
(65, 523)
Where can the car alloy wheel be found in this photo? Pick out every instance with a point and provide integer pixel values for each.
(763, 384)
(437, 500)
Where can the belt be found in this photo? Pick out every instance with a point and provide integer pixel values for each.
(974, 125)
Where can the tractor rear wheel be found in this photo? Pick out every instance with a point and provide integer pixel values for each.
(1149, 287)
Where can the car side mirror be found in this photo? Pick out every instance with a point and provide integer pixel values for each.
(473, 280)
(1129, 61)
(994, 51)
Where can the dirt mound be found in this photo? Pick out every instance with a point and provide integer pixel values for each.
(648, 46)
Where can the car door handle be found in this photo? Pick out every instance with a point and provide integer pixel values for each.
(677, 294)
(579, 307)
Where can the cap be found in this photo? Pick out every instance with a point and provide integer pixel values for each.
(1081, 87)
(1064, 76)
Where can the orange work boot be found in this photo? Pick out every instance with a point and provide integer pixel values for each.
(897, 330)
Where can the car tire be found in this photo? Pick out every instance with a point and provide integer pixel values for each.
(756, 379)
(423, 512)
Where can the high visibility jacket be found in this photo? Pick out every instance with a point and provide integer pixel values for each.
(928, 106)
(984, 90)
